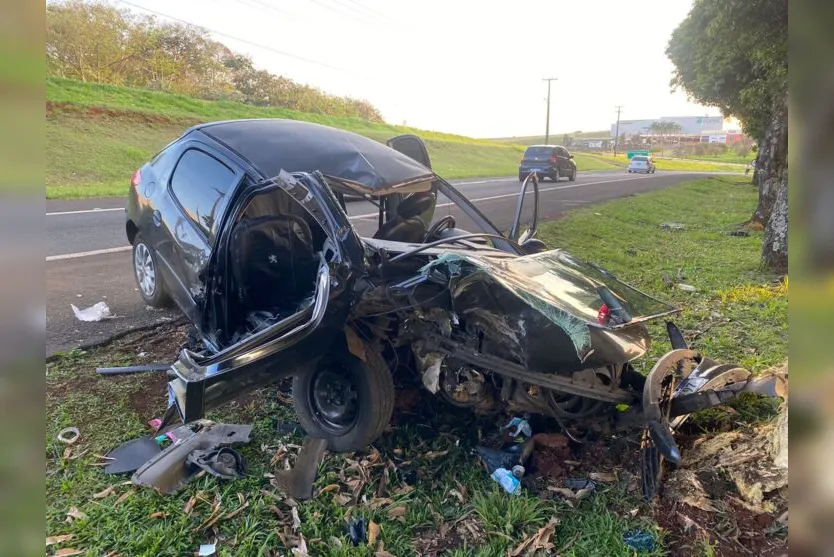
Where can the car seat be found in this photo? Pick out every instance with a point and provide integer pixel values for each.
(407, 226)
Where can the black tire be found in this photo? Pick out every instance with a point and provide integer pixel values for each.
(573, 176)
(371, 389)
(521, 177)
(153, 290)
(555, 176)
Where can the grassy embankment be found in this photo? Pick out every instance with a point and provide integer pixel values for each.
(98, 134)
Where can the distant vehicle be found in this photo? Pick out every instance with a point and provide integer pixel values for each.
(641, 163)
(548, 161)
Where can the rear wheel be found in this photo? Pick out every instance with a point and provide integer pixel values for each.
(555, 176)
(344, 400)
(147, 275)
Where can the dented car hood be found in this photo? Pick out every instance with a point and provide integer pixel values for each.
(557, 284)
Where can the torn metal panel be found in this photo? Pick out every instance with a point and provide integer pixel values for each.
(168, 471)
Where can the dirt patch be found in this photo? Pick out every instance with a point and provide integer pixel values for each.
(147, 390)
(100, 112)
(149, 400)
(735, 532)
(448, 537)
(731, 491)
(551, 455)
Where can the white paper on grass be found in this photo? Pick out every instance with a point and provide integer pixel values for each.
(96, 312)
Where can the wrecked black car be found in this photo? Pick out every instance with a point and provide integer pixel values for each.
(243, 224)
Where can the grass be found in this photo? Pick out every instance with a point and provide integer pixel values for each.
(621, 160)
(739, 313)
(98, 134)
(728, 157)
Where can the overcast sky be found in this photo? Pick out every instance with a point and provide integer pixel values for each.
(473, 68)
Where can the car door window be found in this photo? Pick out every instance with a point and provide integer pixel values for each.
(201, 184)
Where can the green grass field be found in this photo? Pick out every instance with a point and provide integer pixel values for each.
(621, 160)
(437, 499)
(98, 134)
(728, 157)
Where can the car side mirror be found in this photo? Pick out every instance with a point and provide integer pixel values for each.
(571, 156)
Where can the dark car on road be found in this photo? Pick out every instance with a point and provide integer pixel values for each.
(548, 161)
(243, 225)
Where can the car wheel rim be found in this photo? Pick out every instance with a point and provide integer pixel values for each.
(145, 270)
(335, 400)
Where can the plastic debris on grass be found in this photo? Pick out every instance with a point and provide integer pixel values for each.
(506, 479)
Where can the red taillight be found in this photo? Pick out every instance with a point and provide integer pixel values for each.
(136, 179)
(553, 159)
(603, 315)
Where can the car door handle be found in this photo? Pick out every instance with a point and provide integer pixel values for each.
(157, 218)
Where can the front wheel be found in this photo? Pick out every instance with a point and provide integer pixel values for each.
(147, 275)
(573, 176)
(344, 400)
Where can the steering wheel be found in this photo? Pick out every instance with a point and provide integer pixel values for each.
(446, 223)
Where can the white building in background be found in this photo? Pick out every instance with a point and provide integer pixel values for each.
(690, 125)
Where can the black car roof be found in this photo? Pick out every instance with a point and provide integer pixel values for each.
(272, 145)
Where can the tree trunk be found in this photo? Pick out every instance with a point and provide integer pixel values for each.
(775, 245)
(772, 162)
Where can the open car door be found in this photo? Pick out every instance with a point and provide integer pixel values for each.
(414, 147)
(287, 342)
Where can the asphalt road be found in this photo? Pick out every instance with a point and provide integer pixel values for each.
(88, 259)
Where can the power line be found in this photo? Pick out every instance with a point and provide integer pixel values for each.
(367, 8)
(265, 6)
(245, 41)
(341, 13)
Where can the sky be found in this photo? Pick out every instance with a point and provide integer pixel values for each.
(463, 67)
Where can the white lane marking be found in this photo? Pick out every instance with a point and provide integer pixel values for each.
(99, 210)
(96, 210)
(505, 195)
(365, 216)
(87, 253)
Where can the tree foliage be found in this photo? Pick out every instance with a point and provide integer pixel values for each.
(97, 42)
(733, 54)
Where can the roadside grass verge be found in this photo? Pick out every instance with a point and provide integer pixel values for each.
(94, 156)
(433, 502)
(621, 160)
(728, 157)
(97, 135)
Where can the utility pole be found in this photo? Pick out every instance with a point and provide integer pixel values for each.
(617, 133)
(547, 124)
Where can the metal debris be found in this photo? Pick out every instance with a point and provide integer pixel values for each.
(298, 482)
